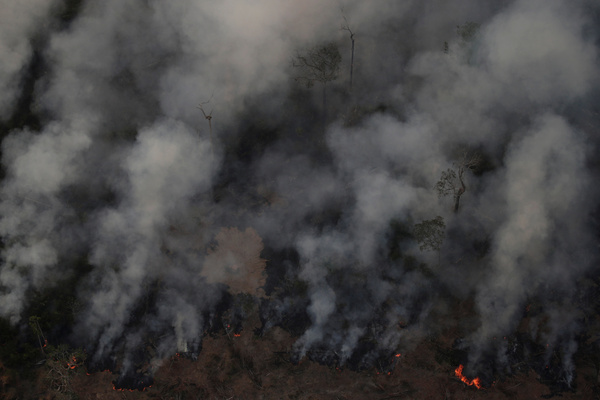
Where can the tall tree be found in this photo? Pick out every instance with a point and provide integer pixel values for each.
(452, 180)
(318, 64)
(209, 119)
(346, 27)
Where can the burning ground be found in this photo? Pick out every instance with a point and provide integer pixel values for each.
(308, 189)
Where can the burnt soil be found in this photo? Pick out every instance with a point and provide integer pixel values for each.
(256, 365)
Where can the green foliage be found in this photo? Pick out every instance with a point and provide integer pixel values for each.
(34, 324)
(53, 307)
(430, 234)
(318, 64)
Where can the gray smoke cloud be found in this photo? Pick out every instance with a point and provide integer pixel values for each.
(542, 243)
(21, 23)
(126, 173)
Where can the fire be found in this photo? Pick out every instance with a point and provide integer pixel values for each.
(471, 382)
(130, 390)
(131, 385)
(398, 355)
(123, 390)
(72, 364)
(237, 334)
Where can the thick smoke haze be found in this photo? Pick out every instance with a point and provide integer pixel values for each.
(123, 190)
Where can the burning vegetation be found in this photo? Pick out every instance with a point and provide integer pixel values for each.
(471, 382)
(248, 200)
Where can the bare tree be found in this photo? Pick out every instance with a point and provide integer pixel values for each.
(346, 27)
(34, 324)
(452, 180)
(208, 118)
(318, 64)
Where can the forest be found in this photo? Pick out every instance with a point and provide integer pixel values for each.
(299, 199)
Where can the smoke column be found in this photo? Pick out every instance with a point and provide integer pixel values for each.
(117, 190)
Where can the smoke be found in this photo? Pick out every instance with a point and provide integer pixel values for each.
(542, 244)
(536, 51)
(155, 216)
(166, 167)
(22, 25)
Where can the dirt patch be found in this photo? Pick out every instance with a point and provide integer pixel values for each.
(235, 261)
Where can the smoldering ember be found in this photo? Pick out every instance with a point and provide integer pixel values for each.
(287, 199)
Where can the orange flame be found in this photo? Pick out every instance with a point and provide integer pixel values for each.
(123, 390)
(237, 334)
(398, 355)
(471, 382)
(72, 364)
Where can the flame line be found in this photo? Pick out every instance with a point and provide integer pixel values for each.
(471, 382)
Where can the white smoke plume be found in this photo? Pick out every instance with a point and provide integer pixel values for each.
(120, 184)
(22, 23)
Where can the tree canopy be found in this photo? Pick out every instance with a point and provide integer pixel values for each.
(318, 64)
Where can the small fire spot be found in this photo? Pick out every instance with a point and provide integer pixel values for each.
(471, 382)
